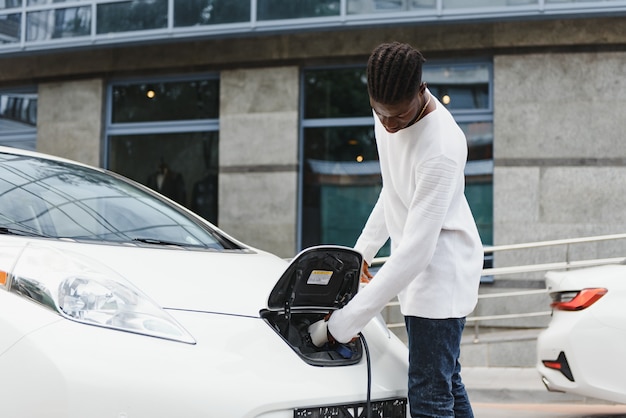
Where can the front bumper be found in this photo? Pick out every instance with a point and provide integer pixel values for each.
(239, 367)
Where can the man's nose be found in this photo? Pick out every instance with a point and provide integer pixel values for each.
(389, 123)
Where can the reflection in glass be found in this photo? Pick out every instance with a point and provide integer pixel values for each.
(44, 2)
(479, 194)
(459, 87)
(181, 166)
(131, 16)
(10, 26)
(60, 200)
(290, 9)
(18, 119)
(479, 140)
(208, 12)
(464, 4)
(18, 110)
(344, 144)
(58, 23)
(382, 6)
(165, 101)
(479, 176)
(340, 185)
(9, 4)
(336, 93)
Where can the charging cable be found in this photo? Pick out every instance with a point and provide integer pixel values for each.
(368, 401)
(319, 335)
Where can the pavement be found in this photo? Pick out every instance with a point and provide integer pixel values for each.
(513, 385)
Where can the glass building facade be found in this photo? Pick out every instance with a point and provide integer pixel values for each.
(43, 24)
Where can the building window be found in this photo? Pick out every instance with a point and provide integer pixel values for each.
(71, 22)
(340, 171)
(164, 134)
(210, 12)
(130, 16)
(289, 9)
(340, 178)
(500, 4)
(18, 118)
(387, 6)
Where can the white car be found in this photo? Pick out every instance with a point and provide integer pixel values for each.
(116, 302)
(582, 350)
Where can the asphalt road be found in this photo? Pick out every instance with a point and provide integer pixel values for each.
(547, 410)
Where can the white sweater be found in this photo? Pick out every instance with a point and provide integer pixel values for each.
(436, 254)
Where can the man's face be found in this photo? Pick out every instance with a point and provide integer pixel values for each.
(400, 115)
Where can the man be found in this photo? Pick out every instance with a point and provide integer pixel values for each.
(436, 254)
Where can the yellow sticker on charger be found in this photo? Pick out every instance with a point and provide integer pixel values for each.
(319, 277)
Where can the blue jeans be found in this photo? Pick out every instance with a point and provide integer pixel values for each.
(435, 386)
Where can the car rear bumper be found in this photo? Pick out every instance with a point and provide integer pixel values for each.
(571, 359)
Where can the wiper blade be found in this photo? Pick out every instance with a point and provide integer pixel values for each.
(21, 232)
(155, 241)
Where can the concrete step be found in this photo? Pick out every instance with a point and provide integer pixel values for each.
(494, 347)
(500, 348)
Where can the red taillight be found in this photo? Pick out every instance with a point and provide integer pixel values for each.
(583, 299)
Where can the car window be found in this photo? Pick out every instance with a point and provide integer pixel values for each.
(62, 200)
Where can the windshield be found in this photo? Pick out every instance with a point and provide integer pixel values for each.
(60, 200)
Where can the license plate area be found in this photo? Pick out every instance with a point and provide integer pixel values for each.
(388, 408)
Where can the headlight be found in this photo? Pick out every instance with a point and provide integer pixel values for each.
(84, 290)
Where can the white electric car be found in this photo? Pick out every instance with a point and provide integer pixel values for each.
(116, 302)
(582, 350)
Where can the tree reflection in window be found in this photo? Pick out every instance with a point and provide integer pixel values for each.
(131, 16)
(210, 12)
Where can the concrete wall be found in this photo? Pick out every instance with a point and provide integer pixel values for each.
(560, 162)
(560, 167)
(309, 47)
(70, 117)
(259, 156)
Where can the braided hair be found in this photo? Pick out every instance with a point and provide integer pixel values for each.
(394, 72)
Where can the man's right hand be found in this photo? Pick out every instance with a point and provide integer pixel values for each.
(366, 276)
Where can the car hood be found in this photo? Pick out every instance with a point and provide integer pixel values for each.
(230, 282)
(236, 282)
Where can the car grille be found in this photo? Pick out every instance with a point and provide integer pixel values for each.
(389, 408)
